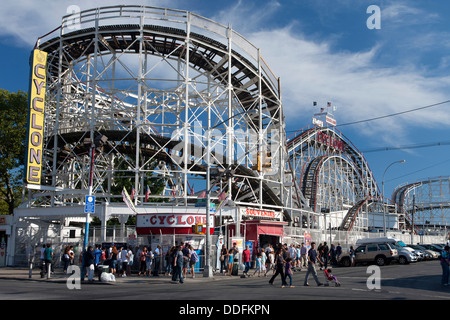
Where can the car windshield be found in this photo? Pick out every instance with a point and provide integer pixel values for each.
(400, 244)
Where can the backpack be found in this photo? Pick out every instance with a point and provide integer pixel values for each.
(194, 256)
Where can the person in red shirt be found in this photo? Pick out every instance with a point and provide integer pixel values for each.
(246, 258)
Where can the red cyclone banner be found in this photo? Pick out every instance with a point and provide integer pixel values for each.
(171, 220)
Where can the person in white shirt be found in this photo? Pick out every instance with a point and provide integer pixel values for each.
(292, 252)
(124, 259)
(130, 258)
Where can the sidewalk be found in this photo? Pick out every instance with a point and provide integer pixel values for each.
(21, 273)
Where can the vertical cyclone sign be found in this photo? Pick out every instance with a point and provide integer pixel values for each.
(36, 118)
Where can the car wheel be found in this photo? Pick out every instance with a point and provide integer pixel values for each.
(402, 260)
(346, 262)
(380, 261)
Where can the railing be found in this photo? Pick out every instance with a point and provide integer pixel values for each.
(142, 15)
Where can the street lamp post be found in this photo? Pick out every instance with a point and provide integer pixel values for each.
(91, 177)
(382, 191)
(207, 271)
(98, 142)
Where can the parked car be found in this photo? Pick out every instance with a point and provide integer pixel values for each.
(405, 256)
(422, 252)
(380, 253)
(434, 248)
(428, 254)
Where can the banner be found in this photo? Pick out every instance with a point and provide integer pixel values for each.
(127, 200)
(260, 213)
(35, 138)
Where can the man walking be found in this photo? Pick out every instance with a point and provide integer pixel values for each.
(178, 265)
(303, 258)
(48, 257)
(312, 258)
(246, 259)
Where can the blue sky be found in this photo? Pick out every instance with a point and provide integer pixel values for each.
(322, 51)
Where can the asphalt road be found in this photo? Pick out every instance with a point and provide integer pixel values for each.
(418, 281)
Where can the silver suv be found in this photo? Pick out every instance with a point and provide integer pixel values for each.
(380, 253)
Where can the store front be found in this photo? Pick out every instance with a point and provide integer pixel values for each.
(170, 226)
(260, 232)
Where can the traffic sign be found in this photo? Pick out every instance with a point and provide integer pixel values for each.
(89, 206)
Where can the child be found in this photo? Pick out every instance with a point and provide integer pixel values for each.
(331, 278)
(258, 265)
(288, 272)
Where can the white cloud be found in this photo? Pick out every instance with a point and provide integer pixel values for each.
(246, 16)
(353, 81)
(24, 21)
(310, 70)
(400, 14)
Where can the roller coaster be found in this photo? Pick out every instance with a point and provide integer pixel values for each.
(179, 97)
(424, 203)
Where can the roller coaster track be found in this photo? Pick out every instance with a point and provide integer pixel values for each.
(253, 87)
(358, 173)
(206, 54)
(430, 196)
(350, 217)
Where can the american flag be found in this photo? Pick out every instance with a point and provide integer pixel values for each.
(222, 196)
(223, 201)
(202, 195)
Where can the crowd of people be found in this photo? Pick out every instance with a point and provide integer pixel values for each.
(179, 261)
(282, 260)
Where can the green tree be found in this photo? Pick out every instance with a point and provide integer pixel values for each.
(13, 130)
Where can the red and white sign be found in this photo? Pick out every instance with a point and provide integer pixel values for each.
(261, 213)
(166, 223)
(328, 140)
(331, 121)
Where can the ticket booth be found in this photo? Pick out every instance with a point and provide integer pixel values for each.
(260, 232)
(167, 226)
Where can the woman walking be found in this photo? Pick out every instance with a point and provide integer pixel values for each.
(279, 263)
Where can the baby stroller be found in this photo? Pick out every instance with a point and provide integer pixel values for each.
(330, 278)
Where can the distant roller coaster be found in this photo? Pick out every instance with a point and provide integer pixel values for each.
(426, 203)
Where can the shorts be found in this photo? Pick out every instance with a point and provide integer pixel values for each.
(185, 262)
